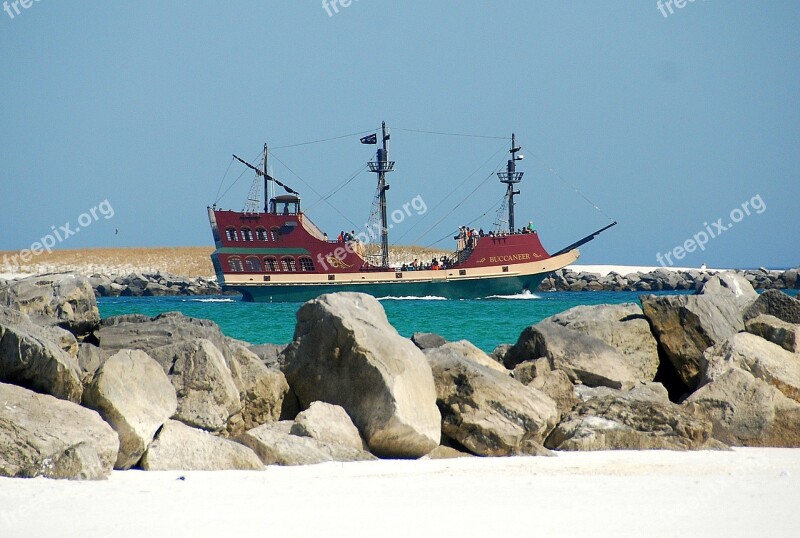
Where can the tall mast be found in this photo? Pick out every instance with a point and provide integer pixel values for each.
(511, 177)
(382, 166)
(266, 181)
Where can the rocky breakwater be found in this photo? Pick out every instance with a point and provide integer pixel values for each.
(151, 285)
(663, 280)
(81, 396)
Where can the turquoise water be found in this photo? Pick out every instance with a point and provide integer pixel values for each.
(485, 322)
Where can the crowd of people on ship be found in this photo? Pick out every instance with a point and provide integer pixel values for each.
(467, 238)
(435, 264)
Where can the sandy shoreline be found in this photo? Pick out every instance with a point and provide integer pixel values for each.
(743, 492)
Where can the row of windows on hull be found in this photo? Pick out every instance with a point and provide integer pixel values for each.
(252, 264)
(232, 234)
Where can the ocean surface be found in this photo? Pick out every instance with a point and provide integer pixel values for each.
(484, 322)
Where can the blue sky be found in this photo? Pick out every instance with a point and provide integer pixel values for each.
(666, 123)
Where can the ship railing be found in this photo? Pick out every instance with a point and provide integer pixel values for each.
(312, 228)
(460, 256)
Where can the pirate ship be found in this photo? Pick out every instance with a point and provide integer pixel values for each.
(276, 253)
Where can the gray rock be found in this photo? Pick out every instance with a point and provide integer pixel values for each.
(178, 447)
(133, 394)
(622, 327)
(777, 331)
(765, 360)
(40, 328)
(775, 303)
(30, 359)
(262, 390)
(583, 358)
(488, 412)
(427, 340)
(499, 353)
(44, 436)
(274, 447)
(345, 352)
(730, 282)
(790, 277)
(207, 394)
(556, 384)
(466, 350)
(65, 300)
(268, 353)
(686, 325)
(141, 332)
(327, 424)
(446, 453)
(631, 420)
(91, 357)
(746, 411)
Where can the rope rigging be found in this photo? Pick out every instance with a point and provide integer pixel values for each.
(253, 204)
(440, 202)
(568, 184)
(481, 184)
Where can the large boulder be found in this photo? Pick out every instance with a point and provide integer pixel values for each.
(486, 411)
(637, 419)
(686, 325)
(765, 360)
(777, 304)
(621, 326)
(180, 447)
(222, 385)
(345, 352)
(61, 337)
(729, 282)
(276, 447)
(746, 411)
(777, 331)
(133, 394)
(44, 436)
(583, 358)
(327, 424)
(207, 394)
(66, 300)
(34, 357)
(262, 390)
(467, 350)
(135, 331)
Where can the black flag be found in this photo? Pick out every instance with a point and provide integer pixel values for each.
(370, 139)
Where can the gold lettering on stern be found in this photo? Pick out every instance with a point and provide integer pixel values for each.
(511, 258)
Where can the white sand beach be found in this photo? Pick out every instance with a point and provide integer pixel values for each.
(743, 492)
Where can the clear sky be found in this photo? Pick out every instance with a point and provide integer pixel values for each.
(666, 123)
